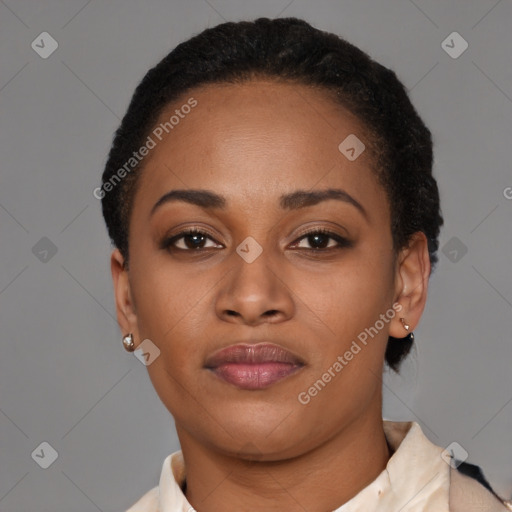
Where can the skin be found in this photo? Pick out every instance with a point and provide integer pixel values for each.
(264, 450)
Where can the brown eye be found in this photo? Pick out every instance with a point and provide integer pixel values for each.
(321, 239)
(190, 240)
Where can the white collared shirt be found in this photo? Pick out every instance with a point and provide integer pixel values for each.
(416, 479)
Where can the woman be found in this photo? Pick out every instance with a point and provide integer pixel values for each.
(270, 197)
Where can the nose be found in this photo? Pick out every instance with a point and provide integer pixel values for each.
(254, 293)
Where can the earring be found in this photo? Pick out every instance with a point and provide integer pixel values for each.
(406, 326)
(410, 336)
(128, 343)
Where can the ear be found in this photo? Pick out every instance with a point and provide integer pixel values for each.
(411, 284)
(126, 314)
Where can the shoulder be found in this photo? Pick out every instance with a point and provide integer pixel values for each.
(470, 492)
(147, 503)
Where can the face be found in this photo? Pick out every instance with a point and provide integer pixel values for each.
(281, 281)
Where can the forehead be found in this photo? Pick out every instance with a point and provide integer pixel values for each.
(248, 140)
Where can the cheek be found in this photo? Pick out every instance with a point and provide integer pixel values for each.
(351, 348)
(170, 313)
(166, 297)
(352, 295)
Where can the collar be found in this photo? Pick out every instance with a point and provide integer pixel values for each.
(416, 478)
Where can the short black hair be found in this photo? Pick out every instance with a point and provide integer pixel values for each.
(290, 50)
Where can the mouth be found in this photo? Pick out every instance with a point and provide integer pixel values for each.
(255, 366)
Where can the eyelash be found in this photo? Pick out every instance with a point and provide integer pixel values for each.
(168, 243)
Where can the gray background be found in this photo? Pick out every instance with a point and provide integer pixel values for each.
(64, 376)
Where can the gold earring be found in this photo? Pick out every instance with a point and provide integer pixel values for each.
(406, 326)
(128, 343)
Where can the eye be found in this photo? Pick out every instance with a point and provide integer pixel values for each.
(319, 240)
(190, 240)
(195, 240)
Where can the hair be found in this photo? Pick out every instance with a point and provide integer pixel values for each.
(291, 50)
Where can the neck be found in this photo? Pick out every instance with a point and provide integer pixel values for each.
(322, 479)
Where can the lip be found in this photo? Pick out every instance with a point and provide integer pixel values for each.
(253, 366)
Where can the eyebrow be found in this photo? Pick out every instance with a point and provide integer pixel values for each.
(299, 199)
